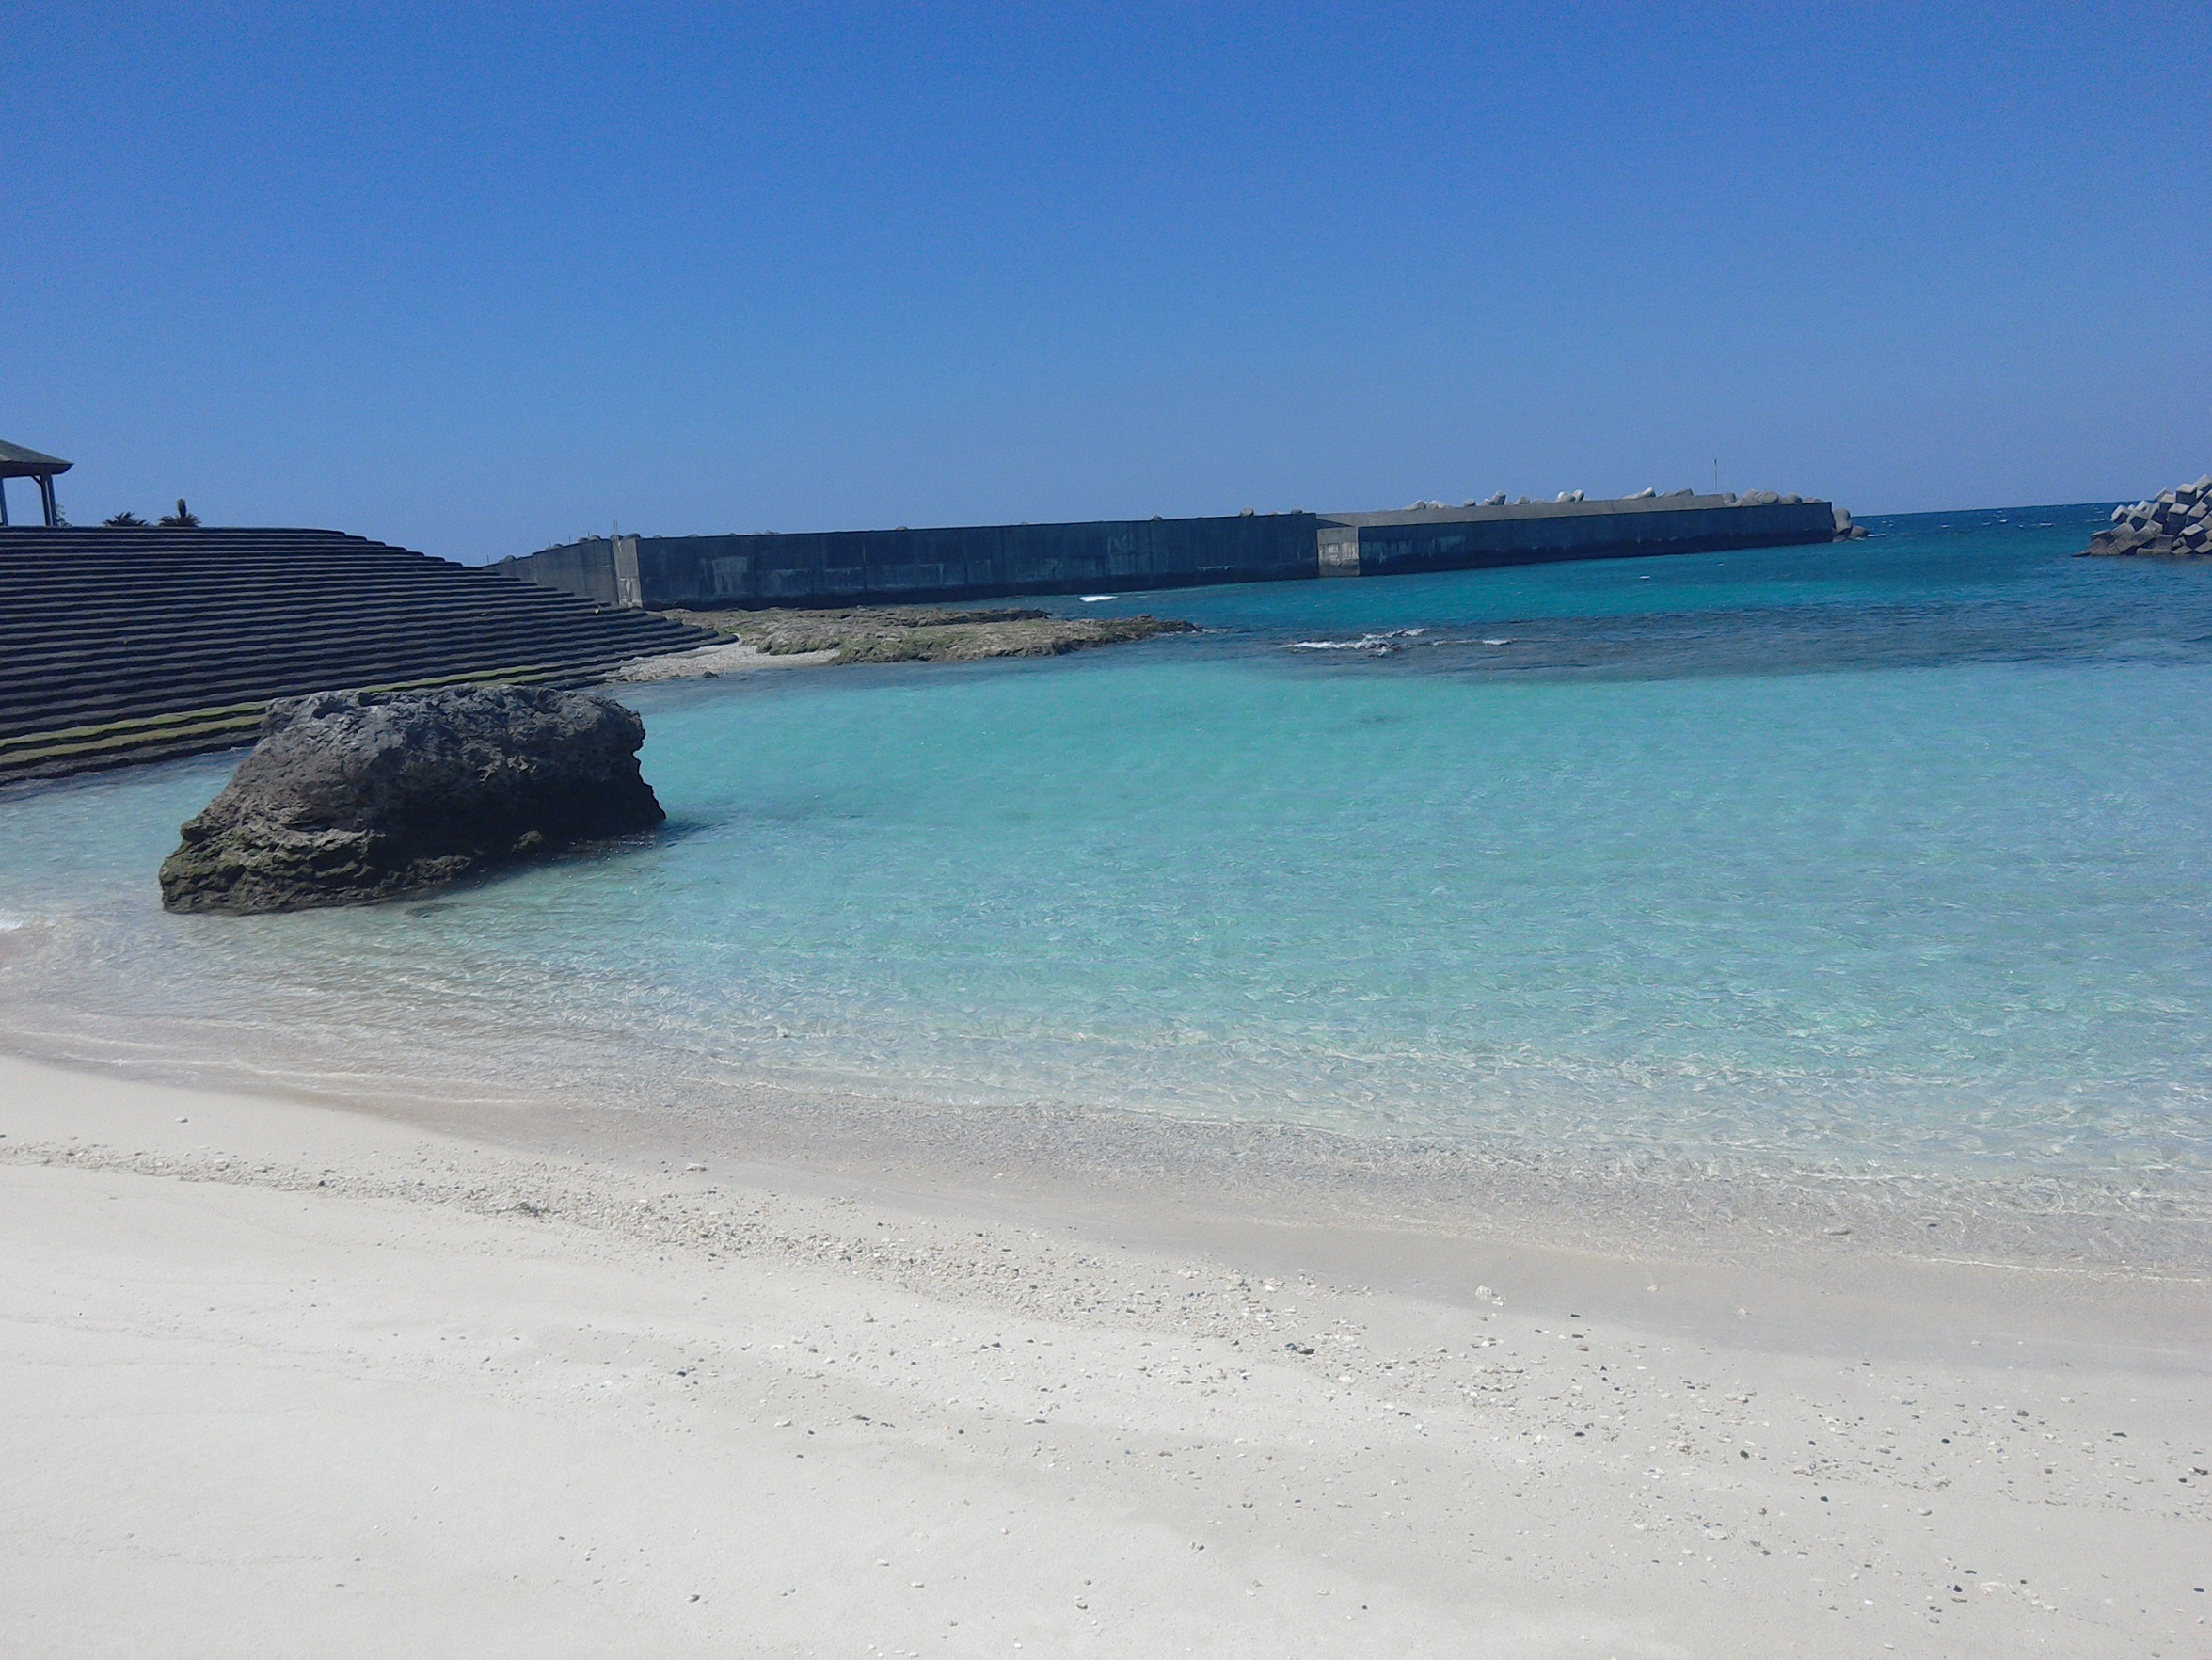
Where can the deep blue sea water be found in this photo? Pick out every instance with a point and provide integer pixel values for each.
(1894, 854)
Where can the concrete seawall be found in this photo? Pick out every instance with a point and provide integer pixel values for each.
(850, 568)
(1474, 538)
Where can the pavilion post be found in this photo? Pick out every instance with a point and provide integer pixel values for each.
(18, 462)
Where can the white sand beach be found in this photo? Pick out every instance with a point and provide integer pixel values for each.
(283, 1378)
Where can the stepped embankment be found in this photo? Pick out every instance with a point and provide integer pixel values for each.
(121, 644)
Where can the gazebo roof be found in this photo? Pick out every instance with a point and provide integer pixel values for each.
(18, 462)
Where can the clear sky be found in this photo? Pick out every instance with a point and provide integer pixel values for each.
(475, 280)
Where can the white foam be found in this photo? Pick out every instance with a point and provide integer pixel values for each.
(1364, 642)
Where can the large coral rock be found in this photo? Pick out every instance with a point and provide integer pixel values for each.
(354, 796)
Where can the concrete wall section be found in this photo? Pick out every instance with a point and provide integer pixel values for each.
(859, 568)
(585, 569)
(852, 567)
(1508, 537)
(1339, 548)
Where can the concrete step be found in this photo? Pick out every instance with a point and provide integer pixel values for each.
(300, 623)
(115, 643)
(217, 636)
(88, 680)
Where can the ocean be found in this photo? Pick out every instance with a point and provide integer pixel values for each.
(1889, 857)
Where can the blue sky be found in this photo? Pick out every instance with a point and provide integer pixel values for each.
(477, 283)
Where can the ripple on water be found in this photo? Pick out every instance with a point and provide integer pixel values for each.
(1883, 860)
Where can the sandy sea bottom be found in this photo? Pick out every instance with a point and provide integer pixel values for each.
(1762, 892)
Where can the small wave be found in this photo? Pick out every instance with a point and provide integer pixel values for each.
(1098, 599)
(1377, 643)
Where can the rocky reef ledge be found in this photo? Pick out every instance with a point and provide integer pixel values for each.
(913, 633)
(2176, 524)
(351, 797)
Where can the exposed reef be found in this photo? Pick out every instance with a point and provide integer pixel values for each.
(2176, 524)
(351, 797)
(908, 633)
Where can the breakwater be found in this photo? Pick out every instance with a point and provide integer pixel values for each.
(2174, 524)
(846, 568)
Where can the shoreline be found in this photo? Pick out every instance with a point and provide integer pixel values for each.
(1791, 1217)
(1228, 1430)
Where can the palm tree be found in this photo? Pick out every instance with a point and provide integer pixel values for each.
(183, 519)
(126, 519)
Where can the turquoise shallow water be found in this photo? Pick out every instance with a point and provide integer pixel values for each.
(1891, 855)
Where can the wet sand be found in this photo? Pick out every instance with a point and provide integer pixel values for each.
(287, 1379)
